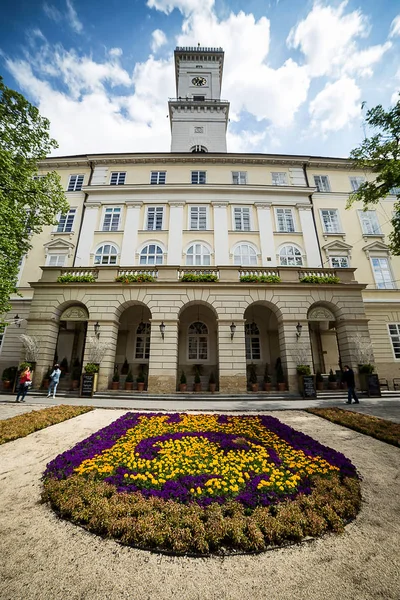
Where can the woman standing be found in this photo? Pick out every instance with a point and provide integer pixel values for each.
(24, 383)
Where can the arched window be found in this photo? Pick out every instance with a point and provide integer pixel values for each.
(106, 255)
(290, 256)
(198, 149)
(151, 255)
(198, 254)
(244, 254)
(142, 348)
(252, 337)
(198, 341)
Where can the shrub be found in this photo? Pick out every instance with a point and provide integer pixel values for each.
(320, 279)
(116, 375)
(332, 376)
(129, 377)
(9, 374)
(76, 279)
(252, 373)
(280, 377)
(319, 376)
(192, 277)
(267, 377)
(183, 378)
(212, 379)
(141, 278)
(260, 279)
(91, 368)
(141, 378)
(303, 370)
(366, 368)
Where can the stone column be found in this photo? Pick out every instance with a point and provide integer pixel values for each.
(46, 332)
(310, 239)
(294, 350)
(109, 335)
(176, 227)
(86, 237)
(163, 362)
(266, 234)
(221, 241)
(232, 357)
(130, 239)
(347, 331)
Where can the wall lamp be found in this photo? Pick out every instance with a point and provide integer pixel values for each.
(299, 327)
(97, 329)
(233, 329)
(162, 329)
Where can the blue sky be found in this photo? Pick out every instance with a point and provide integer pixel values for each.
(296, 72)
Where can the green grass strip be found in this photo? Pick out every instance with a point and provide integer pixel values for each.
(380, 429)
(22, 425)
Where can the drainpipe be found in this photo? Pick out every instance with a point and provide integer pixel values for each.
(312, 212)
(83, 211)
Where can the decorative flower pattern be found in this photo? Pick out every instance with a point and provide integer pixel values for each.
(254, 460)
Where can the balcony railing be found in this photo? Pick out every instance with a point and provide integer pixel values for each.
(173, 273)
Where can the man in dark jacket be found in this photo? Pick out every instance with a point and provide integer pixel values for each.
(348, 377)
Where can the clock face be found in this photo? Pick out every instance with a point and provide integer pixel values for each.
(199, 81)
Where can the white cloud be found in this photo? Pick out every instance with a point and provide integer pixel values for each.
(73, 17)
(335, 106)
(115, 52)
(395, 27)
(327, 38)
(186, 7)
(158, 39)
(396, 94)
(70, 15)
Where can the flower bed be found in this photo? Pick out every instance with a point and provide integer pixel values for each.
(260, 279)
(207, 277)
(142, 278)
(385, 431)
(22, 425)
(76, 279)
(203, 483)
(330, 279)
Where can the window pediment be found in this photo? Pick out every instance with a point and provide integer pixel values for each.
(377, 248)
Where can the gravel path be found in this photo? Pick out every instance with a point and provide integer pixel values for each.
(44, 558)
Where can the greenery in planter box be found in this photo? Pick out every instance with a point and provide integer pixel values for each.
(320, 279)
(183, 378)
(129, 377)
(116, 375)
(366, 368)
(303, 370)
(332, 376)
(76, 278)
(252, 373)
(91, 368)
(192, 277)
(260, 279)
(141, 278)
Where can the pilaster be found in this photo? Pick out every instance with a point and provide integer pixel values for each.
(163, 362)
(232, 356)
(90, 219)
(266, 234)
(130, 239)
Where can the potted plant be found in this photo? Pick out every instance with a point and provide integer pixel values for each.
(64, 365)
(140, 380)
(332, 380)
(46, 378)
(129, 380)
(197, 369)
(76, 375)
(183, 382)
(320, 381)
(212, 383)
(253, 381)
(8, 377)
(125, 368)
(91, 368)
(115, 380)
(267, 379)
(280, 377)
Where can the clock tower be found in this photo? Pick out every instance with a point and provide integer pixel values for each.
(198, 116)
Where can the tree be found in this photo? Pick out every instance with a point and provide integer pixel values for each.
(380, 154)
(26, 204)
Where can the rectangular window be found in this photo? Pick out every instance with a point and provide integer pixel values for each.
(382, 273)
(158, 177)
(322, 183)
(154, 218)
(117, 178)
(198, 177)
(111, 219)
(197, 347)
(253, 351)
(56, 260)
(242, 219)
(369, 222)
(330, 221)
(339, 262)
(279, 179)
(66, 222)
(75, 183)
(284, 219)
(394, 332)
(198, 217)
(239, 177)
(355, 182)
(142, 347)
(395, 191)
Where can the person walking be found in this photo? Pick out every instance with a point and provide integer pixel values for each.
(348, 377)
(24, 383)
(54, 379)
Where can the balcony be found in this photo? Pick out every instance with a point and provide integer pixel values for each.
(167, 274)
